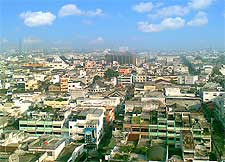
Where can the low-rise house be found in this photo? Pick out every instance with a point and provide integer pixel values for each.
(32, 96)
(97, 86)
(54, 88)
(125, 79)
(210, 95)
(56, 103)
(124, 71)
(64, 83)
(187, 79)
(99, 101)
(39, 76)
(31, 85)
(207, 69)
(57, 63)
(181, 69)
(73, 85)
(50, 145)
(189, 100)
(148, 105)
(141, 78)
(78, 93)
(11, 141)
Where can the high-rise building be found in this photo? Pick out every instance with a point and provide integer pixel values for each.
(121, 58)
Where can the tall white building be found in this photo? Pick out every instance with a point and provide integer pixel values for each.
(87, 124)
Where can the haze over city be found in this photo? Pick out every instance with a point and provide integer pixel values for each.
(112, 81)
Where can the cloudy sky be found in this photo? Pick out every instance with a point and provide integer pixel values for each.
(137, 24)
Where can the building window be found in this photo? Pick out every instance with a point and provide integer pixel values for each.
(40, 126)
(56, 126)
(144, 130)
(23, 125)
(144, 136)
(135, 129)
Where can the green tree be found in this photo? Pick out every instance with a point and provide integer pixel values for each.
(111, 73)
(220, 60)
(96, 77)
(216, 71)
(141, 150)
(127, 149)
(192, 70)
(124, 157)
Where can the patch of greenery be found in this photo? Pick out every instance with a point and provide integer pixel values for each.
(220, 60)
(124, 157)
(218, 130)
(96, 77)
(216, 71)
(61, 99)
(66, 153)
(111, 73)
(135, 120)
(127, 148)
(3, 91)
(106, 141)
(111, 144)
(190, 66)
(141, 150)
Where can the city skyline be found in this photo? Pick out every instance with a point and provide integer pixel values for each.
(98, 24)
(112, 80)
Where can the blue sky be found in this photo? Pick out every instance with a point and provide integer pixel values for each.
(137, 24)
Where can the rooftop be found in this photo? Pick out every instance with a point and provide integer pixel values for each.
(46, 142)
(86, 111)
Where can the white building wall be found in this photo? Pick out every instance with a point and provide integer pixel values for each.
(209, 96)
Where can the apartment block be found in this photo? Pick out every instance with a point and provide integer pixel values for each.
(39, 123)
(87, 124)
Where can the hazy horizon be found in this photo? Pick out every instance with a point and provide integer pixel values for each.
(99, 24)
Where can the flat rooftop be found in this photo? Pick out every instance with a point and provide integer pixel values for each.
(85, 112)
(46, 142)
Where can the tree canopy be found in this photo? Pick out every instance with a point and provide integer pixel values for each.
(111, 73)
(96, 77)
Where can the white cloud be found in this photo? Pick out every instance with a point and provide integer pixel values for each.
(146, 27)
(175, 10)
(97, 12)
(200, 4)
(200, 19)
(98, 40)
(166, 24)
(39, 18)
(173, 23)
(31, 40)
(143, 7)
(72, 9)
